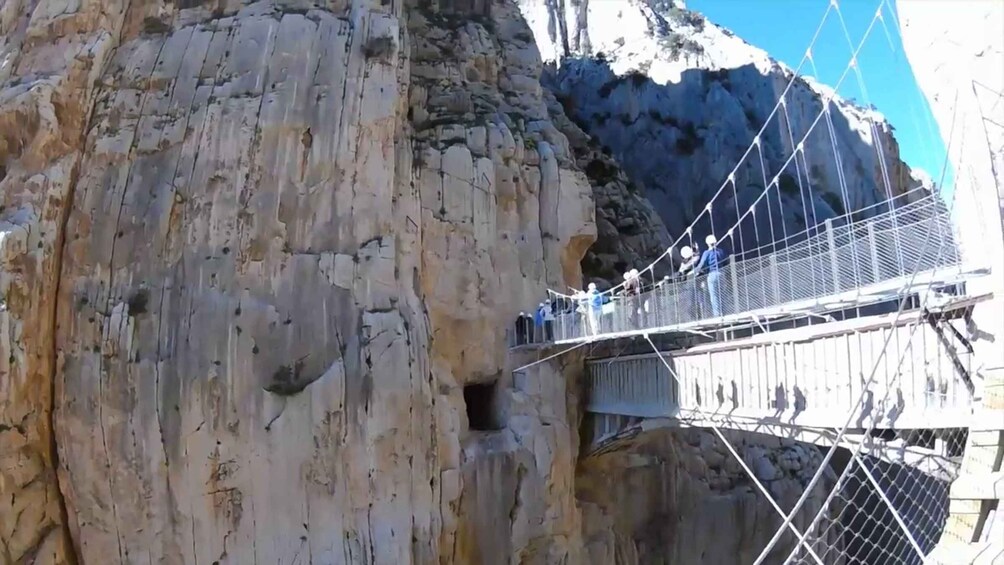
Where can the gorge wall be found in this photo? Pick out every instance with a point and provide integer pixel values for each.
(677, 100)
(251, 255)
(957, 53)
(256, 264)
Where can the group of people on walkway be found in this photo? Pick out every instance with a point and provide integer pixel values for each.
(539, 326)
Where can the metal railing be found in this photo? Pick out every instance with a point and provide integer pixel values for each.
(806, 379)
(836, 264)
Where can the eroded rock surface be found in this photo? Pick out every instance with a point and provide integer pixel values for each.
(293, 233)
(629, 231)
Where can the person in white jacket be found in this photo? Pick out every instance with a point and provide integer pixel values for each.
(689, 260)
(691, 311)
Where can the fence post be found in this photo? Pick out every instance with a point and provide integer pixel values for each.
(734, 267)
(831, 244)
(776, 274)
(873, 247)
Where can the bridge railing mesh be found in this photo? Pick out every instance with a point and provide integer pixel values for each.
(835, 263)
(878, 512)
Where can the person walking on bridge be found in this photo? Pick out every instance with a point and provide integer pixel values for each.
(689, 260)
(630, 295)
(549, 309)
(712, 257)
(594, 306)
(691, 296)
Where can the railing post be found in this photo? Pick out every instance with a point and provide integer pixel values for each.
(873, 247)
(734, 268)
(776, 274)
(832, 246)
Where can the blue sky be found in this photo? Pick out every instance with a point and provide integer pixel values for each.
(784, 28)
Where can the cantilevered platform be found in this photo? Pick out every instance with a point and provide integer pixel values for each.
(811, 376)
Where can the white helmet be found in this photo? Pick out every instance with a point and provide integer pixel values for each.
(634, 272)
(627, 275)
(710, 240)
(592, 286)
(686, 252)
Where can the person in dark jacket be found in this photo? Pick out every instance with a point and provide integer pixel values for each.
(691, 308)
(521, 333)
(632, 292)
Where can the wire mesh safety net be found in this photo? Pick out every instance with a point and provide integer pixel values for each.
(838, 264)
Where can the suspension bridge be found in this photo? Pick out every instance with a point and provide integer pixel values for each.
(876, 333)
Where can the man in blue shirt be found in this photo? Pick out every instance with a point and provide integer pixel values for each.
(712, 258)
(538, 323)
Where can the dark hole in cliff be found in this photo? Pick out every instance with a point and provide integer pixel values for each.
(601, 172)
(138, 302)
(379, 47)
(689, 141)
(637, 78)
(287, 381)
(788, 185)
(155, 26)
(484, 412)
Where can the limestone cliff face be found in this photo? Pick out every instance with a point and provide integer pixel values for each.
(677, 100)
(251, 255)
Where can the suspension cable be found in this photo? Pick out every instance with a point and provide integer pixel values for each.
(841, 433)
(728, 445)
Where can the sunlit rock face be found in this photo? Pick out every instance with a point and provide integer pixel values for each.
(957, 53)
(678, 100)
(252, 253)
(254, 257)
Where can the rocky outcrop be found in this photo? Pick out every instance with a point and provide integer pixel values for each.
(681, 497)
(253, 254)
(677, 100)
(629, 232)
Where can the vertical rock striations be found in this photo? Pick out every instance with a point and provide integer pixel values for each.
(293, 233)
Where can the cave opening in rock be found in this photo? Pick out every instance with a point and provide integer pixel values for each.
(484, 411)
